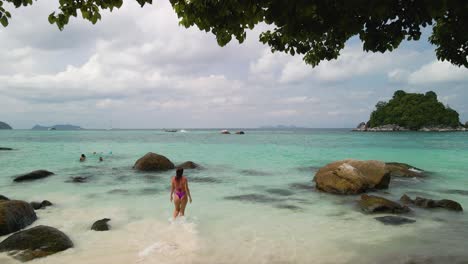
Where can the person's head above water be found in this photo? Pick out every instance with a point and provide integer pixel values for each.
(179, 173)
(83, 156)
(101, 159)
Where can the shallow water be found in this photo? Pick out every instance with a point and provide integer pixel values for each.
(253, 202)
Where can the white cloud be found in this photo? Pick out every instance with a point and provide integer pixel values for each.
(437, 72)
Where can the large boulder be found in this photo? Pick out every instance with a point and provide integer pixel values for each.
(33, 175)
(101, 225)
(3, 198)
(153, 162)
(15, 215)
(361, 127)
(397, 169)
(394, 220)
(376, 204)
(188, 165)
(352, 176)
(429, 203)
(37, 242)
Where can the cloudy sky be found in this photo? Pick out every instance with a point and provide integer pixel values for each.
(137, 68)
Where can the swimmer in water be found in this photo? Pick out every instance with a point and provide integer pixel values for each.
(101, 159)
(82, 158)
(180, 193)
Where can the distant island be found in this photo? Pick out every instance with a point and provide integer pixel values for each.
(4, 125)
(57, 127)
(412, 112)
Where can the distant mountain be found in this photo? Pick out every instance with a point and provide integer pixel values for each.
(57, 127)
(280, 127)
(4, 125)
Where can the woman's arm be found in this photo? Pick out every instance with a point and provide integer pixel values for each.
(172, 189)
(188, 190)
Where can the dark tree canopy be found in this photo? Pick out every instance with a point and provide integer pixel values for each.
(414, 111)
(315, 29)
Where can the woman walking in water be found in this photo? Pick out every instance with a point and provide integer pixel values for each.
(179, 192)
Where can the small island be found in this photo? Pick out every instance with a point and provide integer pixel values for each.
(57, 127)
(4, 125)
(412, 112)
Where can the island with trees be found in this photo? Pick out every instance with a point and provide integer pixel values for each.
(412, 112)
(4, 125)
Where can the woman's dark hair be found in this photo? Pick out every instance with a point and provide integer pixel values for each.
(83, 156)
(179, 173)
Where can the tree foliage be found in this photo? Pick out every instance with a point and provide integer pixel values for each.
(413, 111)
(315, 29)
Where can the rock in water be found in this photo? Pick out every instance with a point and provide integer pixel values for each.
(397, 169)
(15, 215)
(352, 176)
(394, 220)
(2, 148)
(153, 162)
(101, 225)
(34, 175)
(376, 204)
(37, 242)
(429, 203)
(41, 205)
(188, 165)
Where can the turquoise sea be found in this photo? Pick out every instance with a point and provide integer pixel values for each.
(253, 201)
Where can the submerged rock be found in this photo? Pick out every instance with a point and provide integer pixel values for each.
(429, 203)
(153, 162)
(34, 175)
(37, 242)
(15, 215)
(397, 169)
(79, 179)
(2, 148)
(101, 225)
(352, 176)
(376, 204)
(188, 165)
(40, 205)
(394, 220)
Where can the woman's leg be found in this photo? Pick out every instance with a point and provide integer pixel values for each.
(183, 204)
(176, 206)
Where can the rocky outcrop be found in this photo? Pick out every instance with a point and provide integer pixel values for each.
(352, 176)
(4, 198)
(376, 204)
(397, 169)
(429, 203)
(4, 125)
(34, 175)
(37, 242)
(361, 127)
(240, 132)
(188, 165)
(394, 220)
(101, 225)
(40, 205)
(15, 215)
(153, 162)
(364, 127)
(225, 132)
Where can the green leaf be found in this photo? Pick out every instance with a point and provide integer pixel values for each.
(4, 21)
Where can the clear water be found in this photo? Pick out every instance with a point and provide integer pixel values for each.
(252, 203)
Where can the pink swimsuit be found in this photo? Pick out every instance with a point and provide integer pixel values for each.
(179, 192)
